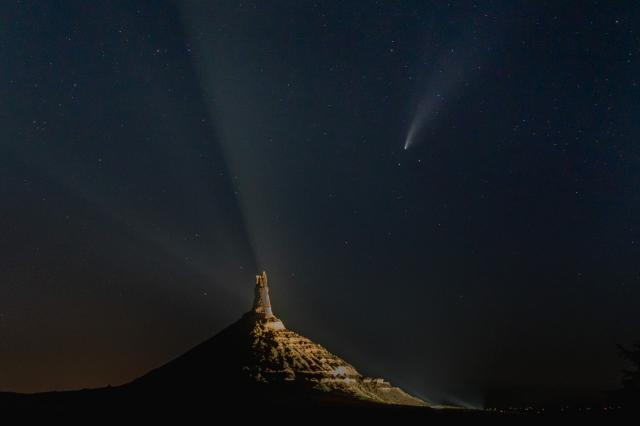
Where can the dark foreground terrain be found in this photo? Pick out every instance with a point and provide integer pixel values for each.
(252, 404)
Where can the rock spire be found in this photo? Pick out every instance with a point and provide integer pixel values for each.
(262, 302)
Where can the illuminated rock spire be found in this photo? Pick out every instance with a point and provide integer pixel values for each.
(261, 302)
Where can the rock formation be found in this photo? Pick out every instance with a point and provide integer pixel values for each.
(259, 353)
(251, 366)
(286, 355)
(262, 304)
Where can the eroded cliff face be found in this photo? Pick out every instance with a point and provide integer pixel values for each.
(282, 355)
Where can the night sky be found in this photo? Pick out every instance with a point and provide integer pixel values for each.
(155, 155)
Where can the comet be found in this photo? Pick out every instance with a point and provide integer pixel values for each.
(447, 75)
(427, 109)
